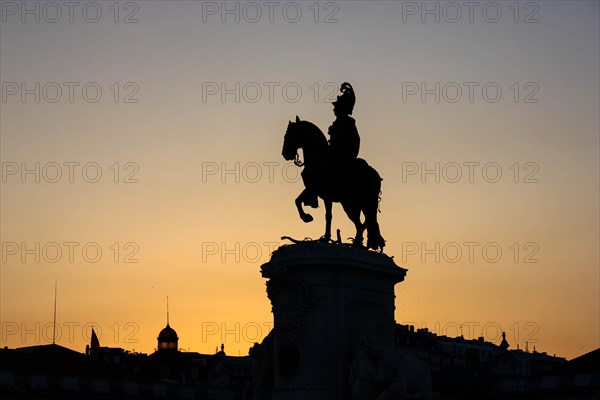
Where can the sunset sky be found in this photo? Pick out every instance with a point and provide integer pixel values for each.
(152, 132)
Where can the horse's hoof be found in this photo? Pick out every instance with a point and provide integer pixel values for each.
(357, 242)
(312, 203)
(325, 239)
(307, 218)
(376, 244)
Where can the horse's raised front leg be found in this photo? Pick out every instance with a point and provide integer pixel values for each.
(304, 216)
(327, 236)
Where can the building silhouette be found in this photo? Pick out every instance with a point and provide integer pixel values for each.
(56, 372)
(477, 369)
(461, 369)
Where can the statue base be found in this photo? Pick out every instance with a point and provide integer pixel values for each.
(327, 299)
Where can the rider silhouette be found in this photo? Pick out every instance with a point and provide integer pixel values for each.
(344, 143)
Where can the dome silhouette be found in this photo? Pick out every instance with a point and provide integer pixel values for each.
(167, 339)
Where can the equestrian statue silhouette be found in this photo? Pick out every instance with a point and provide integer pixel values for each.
(333, 172)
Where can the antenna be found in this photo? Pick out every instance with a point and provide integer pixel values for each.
(167, 310)
(54, 321)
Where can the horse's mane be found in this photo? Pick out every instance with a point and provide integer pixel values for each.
(314, 131)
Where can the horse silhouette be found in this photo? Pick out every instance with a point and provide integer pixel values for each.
(357, 187)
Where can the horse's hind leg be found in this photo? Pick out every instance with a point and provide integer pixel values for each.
(353, 213)
(374, 241)
(304, 216)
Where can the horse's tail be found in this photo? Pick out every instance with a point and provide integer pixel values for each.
(372, 181)
(371, 198)
(377, 189)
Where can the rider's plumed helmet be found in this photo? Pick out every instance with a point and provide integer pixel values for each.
(345, 101)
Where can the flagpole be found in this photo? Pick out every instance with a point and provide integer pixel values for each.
(54, 321)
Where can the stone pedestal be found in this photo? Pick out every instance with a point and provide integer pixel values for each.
(327, 299)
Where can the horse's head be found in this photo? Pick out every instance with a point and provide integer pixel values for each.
(291, 140)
